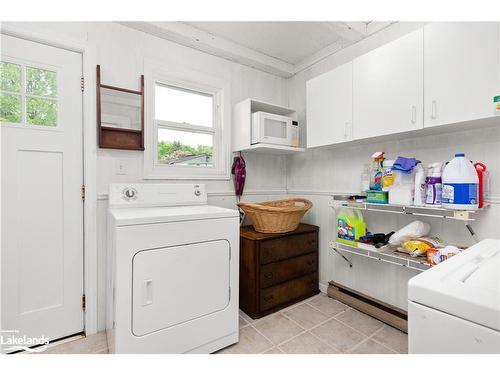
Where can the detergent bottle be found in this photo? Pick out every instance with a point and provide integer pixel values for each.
(420, 186)
(350, 226)
(434, 184)
(484, 182)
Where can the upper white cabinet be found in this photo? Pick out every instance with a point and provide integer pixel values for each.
(444, 73)
(388, 88)
(329, 107)
(461, 64)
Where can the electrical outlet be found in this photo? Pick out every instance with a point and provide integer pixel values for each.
(121, 167)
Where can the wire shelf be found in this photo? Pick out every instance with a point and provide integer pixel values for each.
(439, 212)
(387, 254)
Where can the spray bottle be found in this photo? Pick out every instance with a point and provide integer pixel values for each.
(376, 171)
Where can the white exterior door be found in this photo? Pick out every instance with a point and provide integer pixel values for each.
(42, 174)
(329, 107)
(461, 63)
(388, 88)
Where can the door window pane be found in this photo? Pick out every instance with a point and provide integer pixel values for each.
(10, 77)
(41, 82)
(185, 148)
(10, 108)
(41, 112)
(182, 106)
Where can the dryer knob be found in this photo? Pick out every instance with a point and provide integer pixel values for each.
(197, 192)
(129, 193)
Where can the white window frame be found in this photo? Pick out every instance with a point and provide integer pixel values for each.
(183, 78)
(24, 65)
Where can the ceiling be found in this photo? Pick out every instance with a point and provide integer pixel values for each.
(281, 48)
(291, 42)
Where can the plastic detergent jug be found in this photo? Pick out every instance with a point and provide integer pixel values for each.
(387, 174)
(434, 184)
(402, 190)
(460, 184)
(484, 182)
(420, 186)
(376, 171)
(350, 226)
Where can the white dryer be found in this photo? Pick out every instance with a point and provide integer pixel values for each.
(454, 307)
(173, 265)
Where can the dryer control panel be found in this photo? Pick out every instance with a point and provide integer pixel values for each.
(156, 195)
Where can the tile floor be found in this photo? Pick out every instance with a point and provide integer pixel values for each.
(93, 344)
(319, 325)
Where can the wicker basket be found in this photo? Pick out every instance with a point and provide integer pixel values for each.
(276, 216)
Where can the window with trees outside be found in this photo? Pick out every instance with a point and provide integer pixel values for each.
(28, 95)
(185, 121)
(186, 124)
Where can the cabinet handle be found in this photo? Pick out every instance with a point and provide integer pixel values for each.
(310, 262)
(269, 275)
(413, 114)
(434, 110)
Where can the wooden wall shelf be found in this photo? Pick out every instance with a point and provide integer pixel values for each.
(119, 129)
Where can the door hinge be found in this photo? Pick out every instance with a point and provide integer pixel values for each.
(82, 83)
(84, 302)
(83, 192)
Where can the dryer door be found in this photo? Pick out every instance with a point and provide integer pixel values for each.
(173, 285)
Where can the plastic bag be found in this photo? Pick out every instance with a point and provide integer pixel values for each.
(436, 256)
(409, 232)
(420, 246)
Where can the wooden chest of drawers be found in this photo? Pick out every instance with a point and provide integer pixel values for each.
(277, 270)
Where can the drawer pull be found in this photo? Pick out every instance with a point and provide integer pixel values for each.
(310, 262)
(269, 275)
(268, 298)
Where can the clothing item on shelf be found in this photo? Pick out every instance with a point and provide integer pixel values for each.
(405, 165)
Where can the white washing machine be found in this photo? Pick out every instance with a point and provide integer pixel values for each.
(454, 307)
(173, 265)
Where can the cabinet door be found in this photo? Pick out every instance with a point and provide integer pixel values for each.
(461, 64)
(388, 88)
(329, 107)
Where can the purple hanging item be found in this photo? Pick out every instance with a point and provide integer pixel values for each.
(239, 173)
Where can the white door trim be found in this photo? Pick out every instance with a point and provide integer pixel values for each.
(88, 51)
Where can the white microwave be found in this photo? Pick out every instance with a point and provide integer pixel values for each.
(274, 129)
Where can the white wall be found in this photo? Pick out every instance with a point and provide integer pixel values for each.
(121, 52)
(319, 172)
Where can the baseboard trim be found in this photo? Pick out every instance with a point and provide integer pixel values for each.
(382, 311)
(323, 288)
